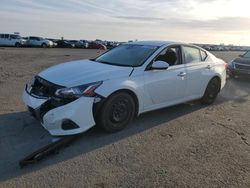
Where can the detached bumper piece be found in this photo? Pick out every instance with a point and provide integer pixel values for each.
(49, 149)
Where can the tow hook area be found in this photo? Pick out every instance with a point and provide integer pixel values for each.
(51, 148)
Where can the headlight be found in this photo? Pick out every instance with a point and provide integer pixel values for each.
(87, 90)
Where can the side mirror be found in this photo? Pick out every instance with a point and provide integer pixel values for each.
(159, 65)
(240, 55)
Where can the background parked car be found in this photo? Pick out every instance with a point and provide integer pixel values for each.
(82, 44)
(73, 42)
(54, 41)
(64, 44)
(111, 45)
(11, 40)
(239, 66)
(39, 42)
(96, 45)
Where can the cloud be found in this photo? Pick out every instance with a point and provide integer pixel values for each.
(138, 18)
(123, 20)
(220, 24)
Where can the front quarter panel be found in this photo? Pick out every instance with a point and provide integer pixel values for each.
(133, 84)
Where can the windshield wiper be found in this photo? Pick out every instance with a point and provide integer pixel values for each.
(110, 63)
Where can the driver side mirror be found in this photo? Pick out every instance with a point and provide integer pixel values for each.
(240, 55)
(159, 65)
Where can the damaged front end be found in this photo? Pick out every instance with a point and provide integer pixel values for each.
(59, 115)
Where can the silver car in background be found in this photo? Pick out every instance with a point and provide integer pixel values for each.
(11, 40)
(39, 42)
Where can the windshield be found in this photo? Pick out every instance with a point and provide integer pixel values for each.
(127, 55)
(247, 54)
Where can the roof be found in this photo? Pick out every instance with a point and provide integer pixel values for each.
(152, 43)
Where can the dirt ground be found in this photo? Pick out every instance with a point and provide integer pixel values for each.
(188, 145)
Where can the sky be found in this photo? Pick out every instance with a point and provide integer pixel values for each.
(195, 21)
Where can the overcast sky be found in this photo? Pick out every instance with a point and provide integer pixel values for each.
(200, 21)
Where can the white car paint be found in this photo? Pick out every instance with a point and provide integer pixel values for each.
(154, 89)
(83, 72)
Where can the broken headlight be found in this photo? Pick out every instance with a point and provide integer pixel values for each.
(87, 90)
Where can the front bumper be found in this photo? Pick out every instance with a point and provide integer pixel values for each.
(79, 112)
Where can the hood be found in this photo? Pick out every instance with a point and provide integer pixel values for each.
(242, 60)
(83, 72)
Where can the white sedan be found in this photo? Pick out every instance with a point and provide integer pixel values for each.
(133, 78)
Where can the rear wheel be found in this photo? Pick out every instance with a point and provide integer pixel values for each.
(116, 112)
(17, 44)
(44, 45)
(211, 92)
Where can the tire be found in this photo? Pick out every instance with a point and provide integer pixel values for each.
(117, 112)
(212, 90)
(17, 45)
(44, 45)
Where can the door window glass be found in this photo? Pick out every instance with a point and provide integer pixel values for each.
(171, 55)
(192, 55)
(203, 55)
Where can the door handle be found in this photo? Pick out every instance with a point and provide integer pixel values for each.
(208, 67)
(182, 74)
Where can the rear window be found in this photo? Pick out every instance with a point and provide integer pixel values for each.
(192, 55)
(203, 55)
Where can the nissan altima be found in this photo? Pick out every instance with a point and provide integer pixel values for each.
(112, 89)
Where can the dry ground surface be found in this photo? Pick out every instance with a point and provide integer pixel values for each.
(188, 145)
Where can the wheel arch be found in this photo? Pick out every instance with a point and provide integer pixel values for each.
(97, 106)
(217, 77)
(44, 44)
(17, 44)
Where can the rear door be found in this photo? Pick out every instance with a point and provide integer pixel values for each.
(165, 87)
(198, 71)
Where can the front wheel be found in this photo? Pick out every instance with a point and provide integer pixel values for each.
(116, 112)
(211, 92)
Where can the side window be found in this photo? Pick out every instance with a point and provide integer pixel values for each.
(13, 36)
(192, 55)
(171, 55)
(6, 36)
(1, 36)
(203, 55)
(32, 38)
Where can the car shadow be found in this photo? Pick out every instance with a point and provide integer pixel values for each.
(20, 134)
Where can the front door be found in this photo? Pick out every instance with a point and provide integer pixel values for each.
(165, 87)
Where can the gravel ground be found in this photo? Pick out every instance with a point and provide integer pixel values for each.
(188, 145)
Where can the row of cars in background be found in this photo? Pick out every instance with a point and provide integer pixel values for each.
(34, 41)
(223, 47)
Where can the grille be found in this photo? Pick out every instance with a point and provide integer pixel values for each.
(242, 67)
(44, 88)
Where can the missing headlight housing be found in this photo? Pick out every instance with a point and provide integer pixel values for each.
(87, 90)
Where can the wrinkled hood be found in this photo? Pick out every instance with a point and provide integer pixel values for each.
(243, 60)
(82, 72)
